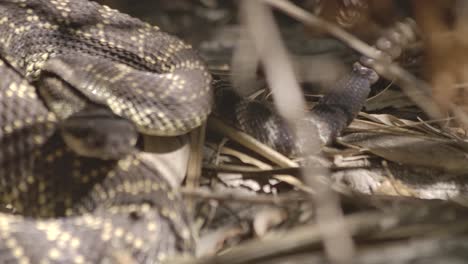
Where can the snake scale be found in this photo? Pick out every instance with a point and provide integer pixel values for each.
(74, 71)
(90, 209)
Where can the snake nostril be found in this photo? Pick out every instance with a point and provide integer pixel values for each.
(95, 142)
(134, 216)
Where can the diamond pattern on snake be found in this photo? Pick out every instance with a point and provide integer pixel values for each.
(80, 83)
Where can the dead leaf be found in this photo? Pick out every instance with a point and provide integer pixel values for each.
(412, 150)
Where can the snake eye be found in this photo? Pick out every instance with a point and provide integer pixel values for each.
(134, 215)
(76, 131)
(94, 142)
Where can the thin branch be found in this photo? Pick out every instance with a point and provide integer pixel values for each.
(417, 90)
(299, 237)
(251, 143)
(290, 103)
(310, 19)
(281, 200)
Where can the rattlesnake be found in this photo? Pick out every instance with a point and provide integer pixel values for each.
(79, 81)
(71, 51)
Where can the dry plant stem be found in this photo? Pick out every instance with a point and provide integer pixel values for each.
(245, 158)
(291, 180)
(414, 88)
(244, 66)
(251, 143)
(297, 238)
(289, 101)
(194, 168)
(417, 90)
(280, 200)
(311, 20)
(255, 172)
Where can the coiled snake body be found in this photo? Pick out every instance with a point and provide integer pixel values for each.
(79, 80)
(89, 60)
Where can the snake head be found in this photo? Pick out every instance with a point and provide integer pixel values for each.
(366, 72)
(98, 133)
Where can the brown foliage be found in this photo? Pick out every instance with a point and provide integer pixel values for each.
(445, 38)
(363, 18)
